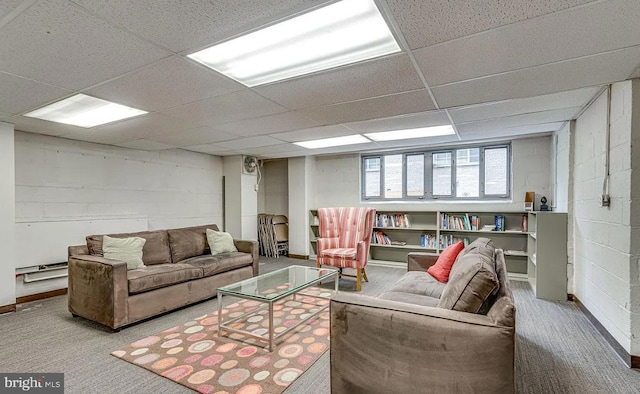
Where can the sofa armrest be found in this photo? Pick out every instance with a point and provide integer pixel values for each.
(382, 346)
(76, 250)
(250, 247)
(420, 261)
(98, 289)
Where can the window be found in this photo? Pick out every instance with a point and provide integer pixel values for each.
(468, 173)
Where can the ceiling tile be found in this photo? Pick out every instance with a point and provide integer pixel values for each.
(182, 25)
(472, 131)
(211, 149)
(230, 107)
(373, 108)
(635, 74)
(314, 133)
(197, 136)
(98, 137)
(145, 126)
(418, 143)
(429, 22)
(271, 149)
(268, 124)
(4, 115)
(145, 145)
(7, 6)
(402, 122)
(556, 115)
(577, 32)
(56, 42)
(363, 80)
(251, 142)
(168, 83)
(22, 95)
(556, 77)
(572, 98)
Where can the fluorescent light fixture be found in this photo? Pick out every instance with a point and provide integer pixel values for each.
(341, 33)
(84, 111)
(421, 132)
(336, 141)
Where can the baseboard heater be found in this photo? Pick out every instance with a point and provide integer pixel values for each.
(41, 279)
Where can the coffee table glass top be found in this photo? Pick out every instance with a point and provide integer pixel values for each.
(280, 283)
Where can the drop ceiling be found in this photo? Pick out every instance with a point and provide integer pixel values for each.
(496, 69)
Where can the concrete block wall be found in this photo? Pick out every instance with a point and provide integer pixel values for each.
(634, 217)
(602, 236)
(60, 178)
(562, 174)
(337, 181)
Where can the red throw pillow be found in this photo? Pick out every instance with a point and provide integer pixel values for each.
(442, 268)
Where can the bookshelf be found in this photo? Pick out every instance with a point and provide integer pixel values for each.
(397, 233)
(547, 254)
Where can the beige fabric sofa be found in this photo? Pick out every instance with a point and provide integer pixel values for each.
(179, 270)
(417, 338)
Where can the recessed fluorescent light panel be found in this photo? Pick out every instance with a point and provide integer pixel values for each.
(331, 142)
(84, 111)
(411, 133)
(345, 32)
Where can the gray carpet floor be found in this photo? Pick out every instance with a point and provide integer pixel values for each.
(558, 350)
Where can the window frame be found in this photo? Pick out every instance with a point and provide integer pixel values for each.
(428, 174)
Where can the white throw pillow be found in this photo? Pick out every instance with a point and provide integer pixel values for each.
(128, 250)
(220, 242)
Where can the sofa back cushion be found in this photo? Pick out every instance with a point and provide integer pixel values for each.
(155, 251)
(473, 278)
(189, 242)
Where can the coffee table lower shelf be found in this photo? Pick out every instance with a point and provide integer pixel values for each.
(225, 328)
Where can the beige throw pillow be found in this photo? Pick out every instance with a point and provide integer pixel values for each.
(128, 250)
(220, 242)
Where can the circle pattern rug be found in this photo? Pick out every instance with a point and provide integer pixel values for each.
(194, 355)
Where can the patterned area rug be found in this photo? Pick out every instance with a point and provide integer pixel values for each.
(193, 355)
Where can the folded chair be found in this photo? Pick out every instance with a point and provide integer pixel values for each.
(345, 236)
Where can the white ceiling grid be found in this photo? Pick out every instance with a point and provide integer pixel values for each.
(499, 69)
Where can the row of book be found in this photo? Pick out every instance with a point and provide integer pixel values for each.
(459, 222)
(446, 240)
(392, 220)
(380, 238)
(428, 240)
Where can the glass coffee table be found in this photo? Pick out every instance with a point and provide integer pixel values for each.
(270, 288)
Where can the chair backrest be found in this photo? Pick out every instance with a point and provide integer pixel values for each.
(349, 224)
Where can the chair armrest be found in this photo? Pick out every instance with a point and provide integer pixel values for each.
(326, 243)
(387, 346)
(250, 247)
(420, 261)
(98, 289)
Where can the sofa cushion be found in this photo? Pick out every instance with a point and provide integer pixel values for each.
(472, 281)
(222, 262)
(220, 242)
(160, 275)
(156, 248)
(442, 268)
(410, 298)
(189, 242)
(128, 250)
(420, 283)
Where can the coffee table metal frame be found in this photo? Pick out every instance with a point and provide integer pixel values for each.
(271, 299)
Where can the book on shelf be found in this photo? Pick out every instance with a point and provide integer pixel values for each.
(380, 238)
(499, 222)
(450, 239)
(392, 220)
(525, 225)
(428, 240)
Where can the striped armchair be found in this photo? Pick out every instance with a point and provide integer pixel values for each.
(345, 235)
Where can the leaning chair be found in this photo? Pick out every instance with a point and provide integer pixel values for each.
(345, 236)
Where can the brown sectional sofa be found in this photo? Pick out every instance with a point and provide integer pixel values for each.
(418, 336)
(179, 270)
